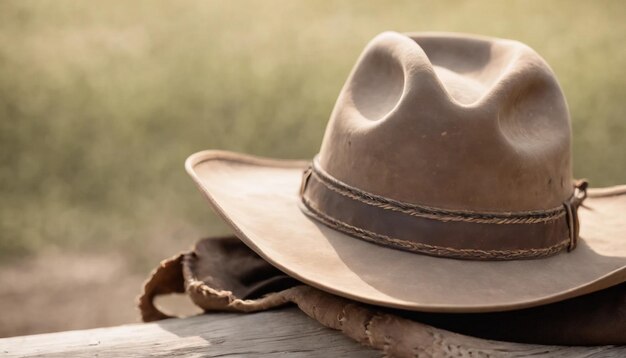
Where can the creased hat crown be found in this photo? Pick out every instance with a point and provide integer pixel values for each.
(454, 122)
(449, 145)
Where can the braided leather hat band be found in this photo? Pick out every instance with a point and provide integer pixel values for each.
(440, 232)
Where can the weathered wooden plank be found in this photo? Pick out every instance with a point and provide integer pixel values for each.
(265, 334)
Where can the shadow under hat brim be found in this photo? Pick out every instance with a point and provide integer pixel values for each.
(259, 198)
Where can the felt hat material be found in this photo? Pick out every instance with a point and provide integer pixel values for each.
(443, 184)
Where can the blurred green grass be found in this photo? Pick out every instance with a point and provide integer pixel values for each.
(101, 102)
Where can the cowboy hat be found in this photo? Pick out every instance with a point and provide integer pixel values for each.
(443, 184)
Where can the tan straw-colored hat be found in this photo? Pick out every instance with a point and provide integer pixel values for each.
(443, 183)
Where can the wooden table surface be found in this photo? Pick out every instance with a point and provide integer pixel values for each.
(285, 332)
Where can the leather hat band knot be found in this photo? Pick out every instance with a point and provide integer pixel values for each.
(440, 232)
(571, 209)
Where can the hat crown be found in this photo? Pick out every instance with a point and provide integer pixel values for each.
(452, 121)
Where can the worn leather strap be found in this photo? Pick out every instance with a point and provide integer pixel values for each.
(436, 231)
(571, 210)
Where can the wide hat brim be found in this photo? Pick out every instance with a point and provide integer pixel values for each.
(259, 198)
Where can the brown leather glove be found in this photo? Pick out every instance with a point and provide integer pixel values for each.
(223, 274)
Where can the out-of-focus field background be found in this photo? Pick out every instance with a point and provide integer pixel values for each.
(102, 101)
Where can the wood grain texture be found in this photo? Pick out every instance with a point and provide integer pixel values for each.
(284, 332)
(265, 334)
